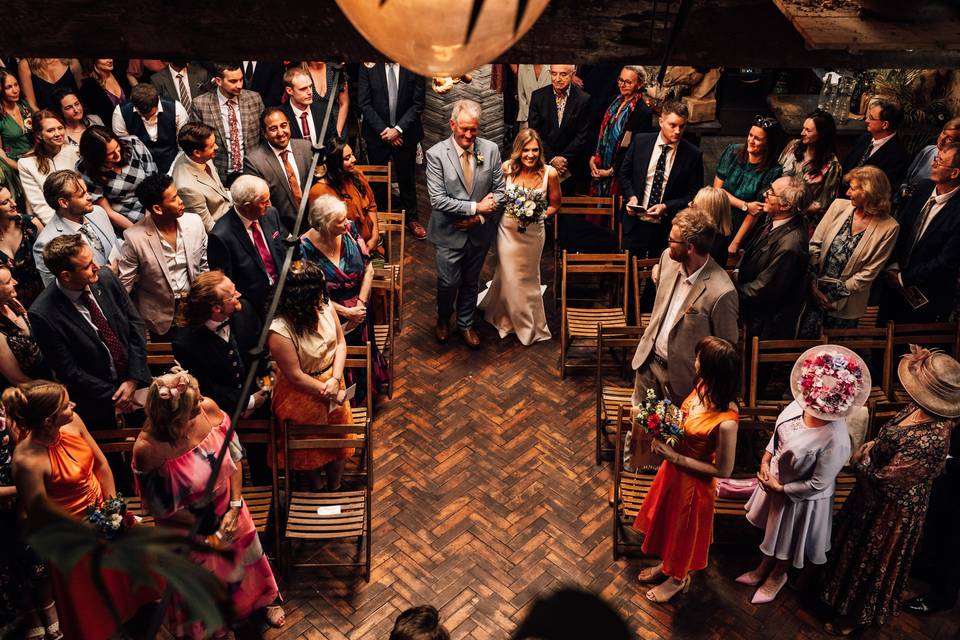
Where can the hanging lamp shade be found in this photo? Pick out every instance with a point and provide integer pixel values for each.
(442, 37)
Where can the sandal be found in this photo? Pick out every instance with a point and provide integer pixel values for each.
(650, 574)
(53, 631)
(653, 596)
(276, 618)
(35, 633)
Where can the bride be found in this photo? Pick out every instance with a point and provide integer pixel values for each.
(514, 301)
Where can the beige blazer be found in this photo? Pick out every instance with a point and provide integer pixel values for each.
(711, 309)
(868, 258)
(144, 273)
(32, 179)
(202, 194)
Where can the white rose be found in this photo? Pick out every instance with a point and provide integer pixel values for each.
(115, 521)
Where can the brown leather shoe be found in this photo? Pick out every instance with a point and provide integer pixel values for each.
(417, 229)
(471, 338)
(442, 332)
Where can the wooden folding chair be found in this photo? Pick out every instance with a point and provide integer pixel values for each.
(629, 488)
(122, 441)
(880, 413)
(731, 265)
(380, 174)
(578, 205)
(642, 269)
(393, 230)
(260, 499)
(360, 359)
(931, 335)
(870, 318)
(774, 352)
(619, 342)
(875, 345)
(338, 515)
(385, 334)
(160, 357)
(579, 324)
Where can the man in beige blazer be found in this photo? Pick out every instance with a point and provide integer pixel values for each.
(196, 178)
(162, 255)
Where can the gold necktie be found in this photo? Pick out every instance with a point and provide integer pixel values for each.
(467, 169)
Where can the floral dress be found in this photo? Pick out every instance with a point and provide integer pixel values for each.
(823, 182)
(880, 525)
(814, 318)
(23, 266)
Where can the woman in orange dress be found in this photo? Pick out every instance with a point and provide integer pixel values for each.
(346, 183)
(57, 458)
(676, 517)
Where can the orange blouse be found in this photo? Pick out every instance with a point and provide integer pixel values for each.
(360, 202)
(72, 484)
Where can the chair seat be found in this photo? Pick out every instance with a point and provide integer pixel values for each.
(259, 502)
(380, 334)
(135, 506)
(583, 322)
(611, 399)
(303, 521)
(359, 415)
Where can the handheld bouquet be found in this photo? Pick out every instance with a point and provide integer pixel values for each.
(527, 205)
(660, 419)
(109, 517)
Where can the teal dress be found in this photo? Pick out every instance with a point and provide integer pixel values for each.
(743, 181)
(16, 141)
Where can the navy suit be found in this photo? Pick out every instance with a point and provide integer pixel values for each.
(891, 158)
(570, 138)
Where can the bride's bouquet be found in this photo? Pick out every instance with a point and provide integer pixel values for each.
(527, 205)
(660, 419)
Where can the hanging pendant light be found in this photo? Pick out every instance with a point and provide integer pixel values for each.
(442, 37)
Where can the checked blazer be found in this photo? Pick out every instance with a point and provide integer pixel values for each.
(206, 109)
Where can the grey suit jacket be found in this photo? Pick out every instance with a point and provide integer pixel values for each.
(144, 272)
(201, 193)
(450, 199)
(198, 81)
(709, 310)
(58, 227)
(263, 162)
(206, 109)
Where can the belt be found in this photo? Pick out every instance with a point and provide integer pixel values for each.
(660, 361)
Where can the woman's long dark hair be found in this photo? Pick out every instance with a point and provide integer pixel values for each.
(303, 294)
(718, 380)
(825, 145)
(776, 139)
(336, 177)
(93, 151)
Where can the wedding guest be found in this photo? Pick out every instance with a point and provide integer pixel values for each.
(41, 78)
(112, 168)
(676, 517)
(16, 131)
(306, 119)
(17, 240)
(530, 77)
(197, 180)
(746, 170)
(919, 169)
(514, 301)
(20, 356)
(419, 623)
(181, 81)
(58, 459)
(334, 243)
(307, 343)
(793, 502)
(344, 181)
(321, 74)
(851, 245)
(102, 90)
(715, 203)
(50, 153)
(172, 463)
(627, 116)
(880, 146)
(561, 115)
(75, 118)
(813, 158)
(153, 120)
(882, 519)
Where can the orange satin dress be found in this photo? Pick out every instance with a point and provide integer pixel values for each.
(73, 486)
(677, 514)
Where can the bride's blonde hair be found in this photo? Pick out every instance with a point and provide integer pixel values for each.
(513, 165)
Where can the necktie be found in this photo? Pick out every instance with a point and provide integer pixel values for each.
(248, 73)
(561, 106)
(467, 168)
(291, 178)
(305, 126)
(918, 227)
(107, 335)
(866, 154)
(182, 90)
(236, 161)
(656, 189)
(392, 94)
(767, 228)
(91, 237)
(265, 255)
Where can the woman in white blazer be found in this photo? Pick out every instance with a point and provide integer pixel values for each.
(50, 153)
(851, 244)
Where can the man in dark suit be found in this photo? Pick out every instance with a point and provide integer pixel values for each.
(90, 333)
(284, 163)
(266, 78)
(771, 272)
(391, 100)
(247, 243)
(560, 113)
(660, 174)
(306, 118)
(181, 81)
(881, 147)
(927, 256)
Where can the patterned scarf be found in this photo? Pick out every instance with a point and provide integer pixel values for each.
(612, 130)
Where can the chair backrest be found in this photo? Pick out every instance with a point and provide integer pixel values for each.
(943, 335)
(393, 232)
(160, 355)
(868, 339)
(115, 440)
(610, 338)
(584, 205)
(642, 269)
(774, 352)
(258, 431)
(880, 414)
(361, 357)
(754, 428)
(385, 280)
(380, 173)
(598, 264)
(870, 317)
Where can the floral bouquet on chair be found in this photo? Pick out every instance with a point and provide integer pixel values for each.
(109, 517)
(660, 419)
(527, 205)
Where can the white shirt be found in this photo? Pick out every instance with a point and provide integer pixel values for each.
(176, 259)
(680, 292)
(652, 170)
(939, 202)
(876, 144)
(120, 127)
(779, 223)
(247, 224)
(293, 163)
(74, 297)
(225, 116)
(297, 113)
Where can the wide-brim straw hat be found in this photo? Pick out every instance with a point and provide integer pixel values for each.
(830, 381)
(932, 378)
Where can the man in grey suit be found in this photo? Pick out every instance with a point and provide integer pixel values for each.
(465, 182)
(198, 183)
(284, 163)
(181, 81)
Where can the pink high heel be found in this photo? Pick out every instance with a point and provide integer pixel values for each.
(763, 595)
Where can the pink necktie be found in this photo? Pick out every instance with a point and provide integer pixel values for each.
(304, 125)
(265, 255)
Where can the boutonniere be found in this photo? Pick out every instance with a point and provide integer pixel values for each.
(276, 234)
(479, 157)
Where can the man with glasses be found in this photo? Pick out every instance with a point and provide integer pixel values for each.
(881, 147)
(771, 272)
(560, 113)
(920, 167)
(921, 278)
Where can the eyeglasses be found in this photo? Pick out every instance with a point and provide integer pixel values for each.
(769, 193)
(937, 162)
(625, 81)
(233, 298)
(672, 241)
(764, 122)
